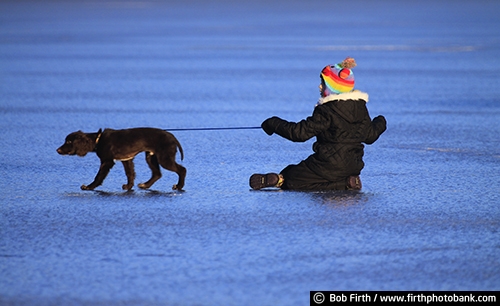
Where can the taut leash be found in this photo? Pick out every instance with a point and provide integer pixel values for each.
(216, 128)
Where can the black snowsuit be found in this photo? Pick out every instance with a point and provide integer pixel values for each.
(341, 124)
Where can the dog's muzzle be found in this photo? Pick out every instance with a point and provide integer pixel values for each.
(62, 152)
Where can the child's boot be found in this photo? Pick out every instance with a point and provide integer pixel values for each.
(259, 181)
(354, 183)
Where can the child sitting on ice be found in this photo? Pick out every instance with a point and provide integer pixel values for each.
(341, 124)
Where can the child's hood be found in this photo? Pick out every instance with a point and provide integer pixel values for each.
(348, 105)
(353, 95)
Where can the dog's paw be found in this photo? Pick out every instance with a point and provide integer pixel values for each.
(127, 187)
(175, 187)
(142, 186)
(85, 187)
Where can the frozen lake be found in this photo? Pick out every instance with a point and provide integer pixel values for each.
(428, 217)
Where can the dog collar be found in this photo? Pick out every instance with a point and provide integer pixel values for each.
(97, 139)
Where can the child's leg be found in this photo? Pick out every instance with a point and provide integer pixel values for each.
(300, 177)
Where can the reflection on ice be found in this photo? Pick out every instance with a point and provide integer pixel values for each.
(340, 198)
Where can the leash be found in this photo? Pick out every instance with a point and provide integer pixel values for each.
(216, 128)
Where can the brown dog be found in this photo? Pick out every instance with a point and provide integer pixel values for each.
(123, 145)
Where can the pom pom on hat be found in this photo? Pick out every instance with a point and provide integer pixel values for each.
(348, 63)
(338, 78)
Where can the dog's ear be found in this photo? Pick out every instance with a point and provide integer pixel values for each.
(100, 131)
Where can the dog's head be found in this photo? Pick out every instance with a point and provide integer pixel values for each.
(77, 143)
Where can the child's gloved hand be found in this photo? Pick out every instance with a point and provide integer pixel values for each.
(380, 123)
(269, 125)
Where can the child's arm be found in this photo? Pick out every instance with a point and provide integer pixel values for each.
(300, 131)
(377, 127)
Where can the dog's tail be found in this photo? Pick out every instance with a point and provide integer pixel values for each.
(180, 148)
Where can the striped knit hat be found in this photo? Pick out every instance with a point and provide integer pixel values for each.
(338, 78)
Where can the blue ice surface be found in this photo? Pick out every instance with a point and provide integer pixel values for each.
(428, 217)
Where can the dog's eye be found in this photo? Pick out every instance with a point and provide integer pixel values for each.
(68, 141)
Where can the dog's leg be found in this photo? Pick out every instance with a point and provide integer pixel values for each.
(128, 165)
(155, 171)
(181, 172)
(168, 162)
(101, 175)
